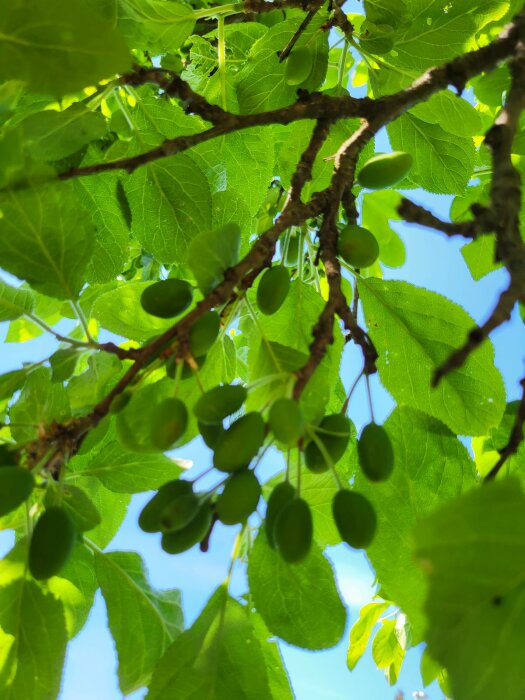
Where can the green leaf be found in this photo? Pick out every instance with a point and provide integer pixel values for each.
(211, 253)
(277, 676)
(46, 238)
(40, 402)
(472, 552)
(218, 658)
(112, 508)
(480, 256)
(414, 331)
(52, 135)
(388, 649)
(34, 620)
(378, 209)
(442, 162)
(14, 302)
(452, 113)
(142, 621)
(155, 25)
(430, 466)
(300, 602)
(361, 631)
(58, 47)
(170, 204)
(86, 389)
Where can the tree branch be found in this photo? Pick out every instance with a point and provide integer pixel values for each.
(515, 439)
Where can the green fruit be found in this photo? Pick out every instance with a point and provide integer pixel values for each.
(286, 421)
(273, 289)
(239, 499)
(169, 420)
(376, 456)
(298, 66)
(204, 332)
(7, 456)
(193, 533)
(219, 402)
(281, 495)
(295, 248)
(149, 518)
(186, 372)
(16, 485)
(384, 170)
(358, 246)
(293, 531)
(211, 433)
(167, 298)
(51, 543)
(354, 517)
(333, 432)
(240, 443)
(179, 512)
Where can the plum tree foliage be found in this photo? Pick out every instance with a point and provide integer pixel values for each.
(194, 211)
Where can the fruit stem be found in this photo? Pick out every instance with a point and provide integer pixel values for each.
(298, 493)
(342, 64)
(221, 48)
(263, 334)
(327, 458)
(210, 12)
(369, 393)
(344, 407)
(235, 553)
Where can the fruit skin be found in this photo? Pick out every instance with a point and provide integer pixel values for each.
(149, 518)
(166, 298)
(239, 499)
(219, 402)
(384, 170)
(298, 66)
(204, 332)
(286, 421)
(16, 485)
(293, 531)
(273, 289)
(334, 433)
(51, 543)
(240, 443)
(169, 420)
(374, 449)
(179, 512)
(354, 517)
(281, 495)
(194, 532)
(211, 433)
(358, 246)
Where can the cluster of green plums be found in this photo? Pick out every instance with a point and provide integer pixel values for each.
(185, 517)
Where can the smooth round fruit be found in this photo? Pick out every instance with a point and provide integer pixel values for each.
(298, 65)
(281, 495)
(166, 298)
(273, 289)
(179, 512)
(293, 531)
(354, 517)
(204, 333)
(384, 170)
(358, 246)
(333, 432)
(169, 420)
(376, 456)
(194, 532)
(286, 421)
(51, 543)
(220, 402)
(211, 433)
(149, 518)
(16, 485)
(294, 249)
(239, 499)
(240, 443)
(7, 456)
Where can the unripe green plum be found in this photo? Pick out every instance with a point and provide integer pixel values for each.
(334, 433)
(204, 333)
(298, 65)
(293, 531)
(358, 246)
(286, 421)
(219, 403)
(51, 543)
(240, 443)
(16, 485)
(281, 495)
(166, 298)
(169, 421)
(211, 433)
(384, 170)
(239, 499)
(193, 533)
(179, 512)
(354, 517)
(7, 456)
(273, 289)
(374, 449)
(150, 516)
(294, 249)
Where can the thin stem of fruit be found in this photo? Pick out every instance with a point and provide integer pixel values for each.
(344, 407)
(342, 63)
(327, 458)
(298, 473)
(369, 393)
(221, 48)
(263, 334)
(210, 12)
